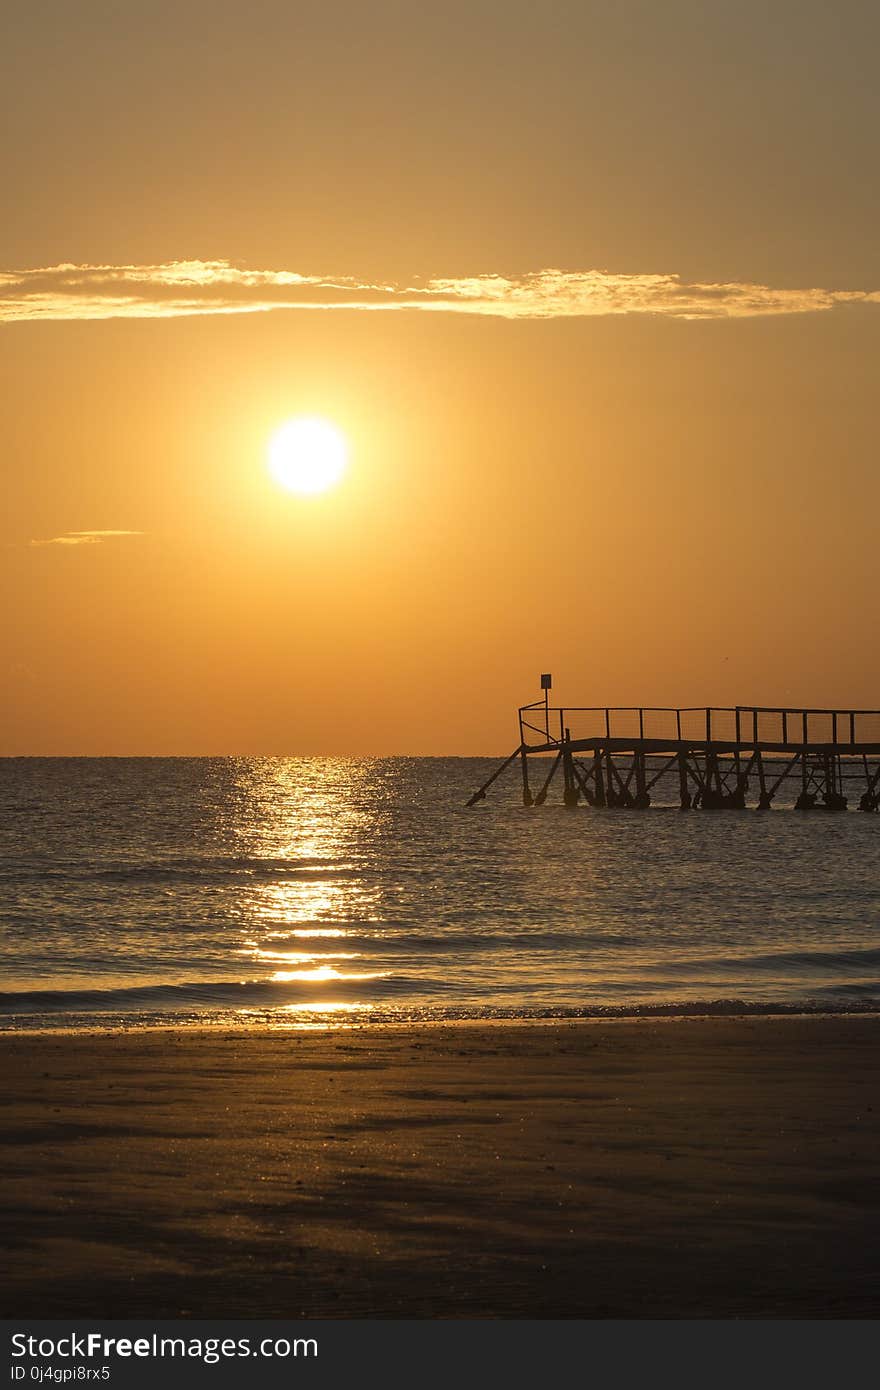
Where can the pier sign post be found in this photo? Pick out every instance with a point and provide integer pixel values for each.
(546, 686)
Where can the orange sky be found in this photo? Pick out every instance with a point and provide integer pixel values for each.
(653, 473)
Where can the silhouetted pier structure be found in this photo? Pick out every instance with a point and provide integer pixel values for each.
(721, 758)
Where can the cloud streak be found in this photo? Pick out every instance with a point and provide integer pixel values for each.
(177, 289)
(85, 537)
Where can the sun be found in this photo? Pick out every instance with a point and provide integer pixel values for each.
(307, 454)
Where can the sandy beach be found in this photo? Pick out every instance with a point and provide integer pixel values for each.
(663, 1169)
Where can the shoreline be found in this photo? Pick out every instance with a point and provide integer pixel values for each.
(660, 1167)
(367, 1019)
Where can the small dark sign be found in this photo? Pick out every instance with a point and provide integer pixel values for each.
(546, 681)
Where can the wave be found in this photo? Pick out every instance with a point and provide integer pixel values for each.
(196, 870)
(231, 993)
(857, 958)
(391, 940)
(407, 992)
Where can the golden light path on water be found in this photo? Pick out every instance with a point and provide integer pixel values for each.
(300, 1015)
(326, 972)
(303, 825)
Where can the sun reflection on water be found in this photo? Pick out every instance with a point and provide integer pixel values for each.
(305, 901)
(308, 827)
(304, 932)
(327, 972)
(312, 1017)
(301, 957)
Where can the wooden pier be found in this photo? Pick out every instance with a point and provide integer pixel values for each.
(720, 759)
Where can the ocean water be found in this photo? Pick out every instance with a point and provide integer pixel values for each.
(305, 891)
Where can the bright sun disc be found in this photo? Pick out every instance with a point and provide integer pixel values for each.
(307, 455)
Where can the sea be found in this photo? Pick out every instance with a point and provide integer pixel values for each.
(307, 892)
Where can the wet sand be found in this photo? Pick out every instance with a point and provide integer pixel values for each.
(662, 1169)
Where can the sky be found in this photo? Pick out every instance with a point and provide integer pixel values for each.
(592, 290)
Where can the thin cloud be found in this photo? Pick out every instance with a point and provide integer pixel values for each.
(85, 537)
(178, 289)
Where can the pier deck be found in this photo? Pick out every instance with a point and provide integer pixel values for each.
(721, 756)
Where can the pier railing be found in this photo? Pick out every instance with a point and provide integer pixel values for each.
(542, 724)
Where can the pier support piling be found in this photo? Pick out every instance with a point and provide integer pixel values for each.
(598, 779)
(570, 793)
(526, 790)
(480, 794)
(684, 794)
(542, 794)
